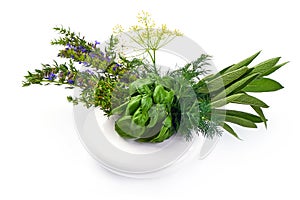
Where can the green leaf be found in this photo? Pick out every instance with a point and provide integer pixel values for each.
(273, 69)
(243, 63)
(165, 131)
(265, 66)
(240, 98)
(236, 86)
(139, 117)
(133, 104)
(127, 128)
(226, 79)
(139, 85)
(240, 121)
(120, 109)
(156, 113)
(230, 130)
(246, 99)
(146, 103)
(263, 85)
(241, 114)
(159, 94)
(259, 111)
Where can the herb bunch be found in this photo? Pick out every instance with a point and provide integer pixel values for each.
(101, 69)
(151, 106)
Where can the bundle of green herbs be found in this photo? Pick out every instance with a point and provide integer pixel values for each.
(152, 106)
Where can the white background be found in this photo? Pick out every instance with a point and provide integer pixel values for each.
(41, 156)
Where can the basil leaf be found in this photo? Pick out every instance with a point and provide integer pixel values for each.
(133, 104)
(139, 85)
(159, 94)
(165, 131)
(146, 103)
(127, 128)
(156, 113)
(140, 117)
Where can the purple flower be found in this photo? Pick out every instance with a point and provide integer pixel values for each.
(116, 66)
(96, 42)
(51, 77)
(70, 81)
(82, 49)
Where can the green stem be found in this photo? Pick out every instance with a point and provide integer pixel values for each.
(57, 82)
(153, 57)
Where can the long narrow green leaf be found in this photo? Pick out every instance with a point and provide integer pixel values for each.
(263, 85)
(259, 111)
(273, 69)
(243, 63)
(265, 66)
(226, 79)
(240, 121)
(230, 130)
(246, 99)
(225, 69)
(240, 98)
(235, 86)
(241, 114)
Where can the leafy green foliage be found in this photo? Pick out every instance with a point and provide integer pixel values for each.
(147, 116)
(232, 84)
(263, 85)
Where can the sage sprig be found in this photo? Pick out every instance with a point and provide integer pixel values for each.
(238, 81)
